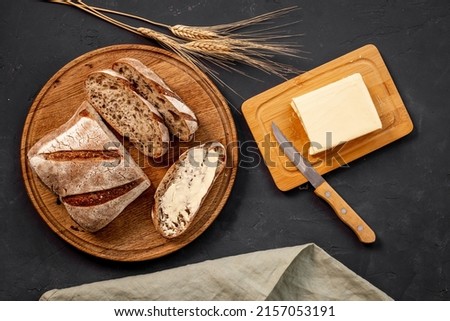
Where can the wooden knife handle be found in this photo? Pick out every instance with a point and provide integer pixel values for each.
(346, 213)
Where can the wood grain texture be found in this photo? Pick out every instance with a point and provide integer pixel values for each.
(273, 105)
(131, 236)
(345, 213)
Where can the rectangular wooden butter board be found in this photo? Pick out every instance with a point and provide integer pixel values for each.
(273, 105)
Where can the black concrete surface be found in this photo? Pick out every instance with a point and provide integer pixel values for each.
(402, 190)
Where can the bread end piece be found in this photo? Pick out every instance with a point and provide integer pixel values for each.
(185, 186)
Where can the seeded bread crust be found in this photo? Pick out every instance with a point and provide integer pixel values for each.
(88, 168)
(179, 118)
(160, 219)
(127, 112)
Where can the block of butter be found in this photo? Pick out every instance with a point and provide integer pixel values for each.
(337, 113)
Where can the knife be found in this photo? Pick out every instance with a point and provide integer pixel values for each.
(322, 189)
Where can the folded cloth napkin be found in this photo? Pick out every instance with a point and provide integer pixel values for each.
(304, 272)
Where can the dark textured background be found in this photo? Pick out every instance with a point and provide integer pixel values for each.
(401, 190)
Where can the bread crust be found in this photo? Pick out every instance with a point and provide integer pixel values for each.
(127, 112)
(84, 157)
(159, 217)
(178, 117)
(95, 217)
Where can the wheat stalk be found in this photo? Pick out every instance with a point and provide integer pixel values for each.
(160, 37)
(216, 44)
(198, 32)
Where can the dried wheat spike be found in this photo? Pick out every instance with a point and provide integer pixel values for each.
(193, 33)
(208, 46)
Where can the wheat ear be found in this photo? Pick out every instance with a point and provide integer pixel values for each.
(193, 33)
(215, 44)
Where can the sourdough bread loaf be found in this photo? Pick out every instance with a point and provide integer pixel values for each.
(178, 117)
(183, 189)
(88, 168)
(127, 112)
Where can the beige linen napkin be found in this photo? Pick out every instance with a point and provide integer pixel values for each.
(304, 272)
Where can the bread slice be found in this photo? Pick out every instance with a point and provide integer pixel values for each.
(179, 118)
(128, 113)
(88, 168)
(183, 189)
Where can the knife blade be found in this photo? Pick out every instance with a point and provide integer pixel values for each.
(322, 189)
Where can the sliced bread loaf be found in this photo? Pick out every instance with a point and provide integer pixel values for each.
(88, 168)
(179, 118)
(183, 189)
(127, 112)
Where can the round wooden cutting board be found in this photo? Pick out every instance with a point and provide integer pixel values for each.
(131, 236)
